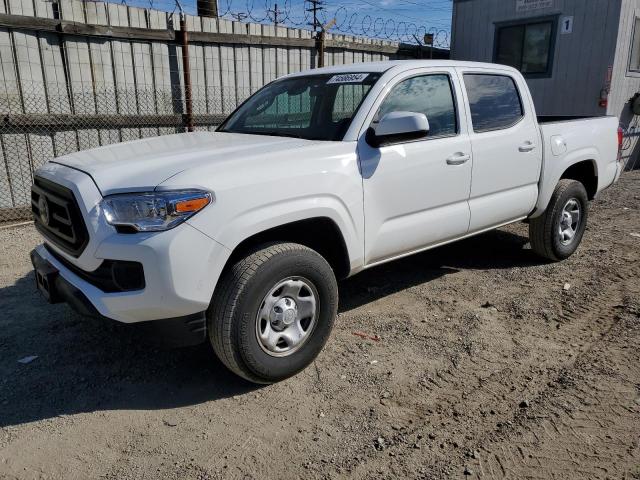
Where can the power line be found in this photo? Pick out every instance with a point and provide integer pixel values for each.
(391, 11)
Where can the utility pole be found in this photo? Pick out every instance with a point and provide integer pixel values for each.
(316, 6)
(275, 13)
(207, 8)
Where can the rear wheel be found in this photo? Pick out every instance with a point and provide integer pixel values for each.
(557, 233)
(273, 311)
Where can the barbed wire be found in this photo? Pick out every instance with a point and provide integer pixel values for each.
(346, 21)
(393, 27)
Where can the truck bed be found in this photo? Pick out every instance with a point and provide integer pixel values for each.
(566, 138)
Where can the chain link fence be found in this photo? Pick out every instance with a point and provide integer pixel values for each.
(39, 125)
(76, 75)
(65, 93)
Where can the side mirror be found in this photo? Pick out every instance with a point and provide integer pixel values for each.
(397, 127)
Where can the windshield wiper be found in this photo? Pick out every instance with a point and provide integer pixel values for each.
(274, 133)
(269, 133)
(280, 134)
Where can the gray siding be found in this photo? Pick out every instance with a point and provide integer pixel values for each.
(625, 84)
(581, 60)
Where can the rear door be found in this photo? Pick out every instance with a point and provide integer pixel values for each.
(415, 193)
(505, 139)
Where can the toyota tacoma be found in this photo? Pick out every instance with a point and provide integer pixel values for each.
(237, 236)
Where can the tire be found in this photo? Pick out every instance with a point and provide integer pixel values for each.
(247, 344)
(545, 230)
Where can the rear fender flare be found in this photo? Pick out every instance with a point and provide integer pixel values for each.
(552, 173)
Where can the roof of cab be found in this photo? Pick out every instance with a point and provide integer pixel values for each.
(404, 64)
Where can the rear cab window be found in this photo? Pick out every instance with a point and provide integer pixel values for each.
(494, 101)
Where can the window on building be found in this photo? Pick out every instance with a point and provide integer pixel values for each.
(494, 101)
(634, 58)
(526, 46)
(428, 94)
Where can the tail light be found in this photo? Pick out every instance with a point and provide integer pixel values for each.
(620, 137)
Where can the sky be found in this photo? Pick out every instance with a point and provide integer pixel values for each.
(392, 19)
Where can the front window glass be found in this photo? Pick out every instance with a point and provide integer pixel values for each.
(428, 94)
(314, 107)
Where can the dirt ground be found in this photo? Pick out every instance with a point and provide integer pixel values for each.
(481, 361)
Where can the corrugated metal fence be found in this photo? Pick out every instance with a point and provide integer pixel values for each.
(76, 75)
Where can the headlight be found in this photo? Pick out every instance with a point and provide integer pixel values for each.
(154, 211)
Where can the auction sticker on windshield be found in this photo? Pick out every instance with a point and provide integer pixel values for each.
(348, 78)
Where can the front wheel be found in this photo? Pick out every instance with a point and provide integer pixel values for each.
(273, 311)
(557, 233)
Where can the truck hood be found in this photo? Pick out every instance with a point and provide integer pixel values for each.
(142, 165)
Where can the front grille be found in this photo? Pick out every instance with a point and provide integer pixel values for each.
(57, 216)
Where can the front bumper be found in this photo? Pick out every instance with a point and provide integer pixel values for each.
(181, 268)
(179, 331)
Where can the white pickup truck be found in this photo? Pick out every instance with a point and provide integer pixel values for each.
(238, 236)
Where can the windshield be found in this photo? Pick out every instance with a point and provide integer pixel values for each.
(314, 107)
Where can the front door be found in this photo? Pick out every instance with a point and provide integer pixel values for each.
(416, 192)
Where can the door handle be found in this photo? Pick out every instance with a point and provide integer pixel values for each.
(527, 147)
(458, 159)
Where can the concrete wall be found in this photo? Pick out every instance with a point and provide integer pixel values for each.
(581, 60)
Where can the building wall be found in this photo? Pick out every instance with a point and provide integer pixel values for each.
(625, 84)
(581, 61)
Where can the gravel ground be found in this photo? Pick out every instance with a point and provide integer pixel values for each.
(472, 360)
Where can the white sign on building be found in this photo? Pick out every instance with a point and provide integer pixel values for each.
(566, 25)
(531, 5)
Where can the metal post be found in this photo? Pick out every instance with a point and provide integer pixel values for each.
(320, 48)
(428, 40)
(188, 117)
